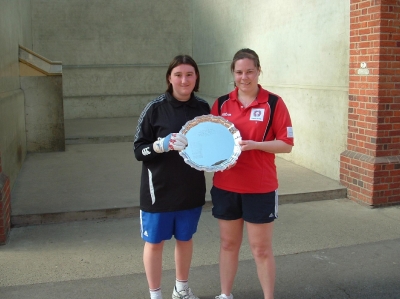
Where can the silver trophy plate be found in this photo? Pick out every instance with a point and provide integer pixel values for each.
(213, 143)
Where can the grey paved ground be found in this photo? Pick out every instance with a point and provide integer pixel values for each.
(324, 249)
(325, 245)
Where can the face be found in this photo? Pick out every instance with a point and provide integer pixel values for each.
(246, 75)
(183, 80)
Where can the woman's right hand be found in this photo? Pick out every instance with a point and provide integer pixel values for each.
(174, 141)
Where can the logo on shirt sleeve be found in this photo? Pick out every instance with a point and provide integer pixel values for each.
(257, 114)
(289, 132)
(146, 151)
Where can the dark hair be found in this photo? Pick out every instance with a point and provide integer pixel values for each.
(178, 60)
(245, 53)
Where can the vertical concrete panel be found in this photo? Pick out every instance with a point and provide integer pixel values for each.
(44, 113)
(25, 12)
(305, 59)
(319, 118)
(219, 29)
(111, 48)
(15, 29)
(216, 79)
(303, 47)
(12, 133)
(9, 37)
(218, 32)
(111, 31)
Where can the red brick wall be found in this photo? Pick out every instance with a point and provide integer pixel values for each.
(5, 209)
(370, 167)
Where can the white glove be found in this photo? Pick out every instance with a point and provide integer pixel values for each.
(174, 141)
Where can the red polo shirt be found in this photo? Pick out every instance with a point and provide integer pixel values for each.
(255, 170)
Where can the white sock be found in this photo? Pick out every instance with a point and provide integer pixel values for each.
(155, 294)
(227, 297)
(181, 285)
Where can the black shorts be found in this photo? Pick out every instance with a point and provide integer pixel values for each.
(253, 208)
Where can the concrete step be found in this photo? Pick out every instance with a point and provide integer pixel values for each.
(95, 181)
(100, 130)
(98, 177)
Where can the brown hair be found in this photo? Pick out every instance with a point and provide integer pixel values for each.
(245, 53)
(178, 60)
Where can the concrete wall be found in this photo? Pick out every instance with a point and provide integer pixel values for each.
(15, 22)
(44, 114)
(114, 52)
(303, 48)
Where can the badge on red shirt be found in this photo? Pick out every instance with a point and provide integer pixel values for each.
(257, 114)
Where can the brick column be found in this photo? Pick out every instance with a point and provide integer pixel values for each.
(5, 208)
(370, 167)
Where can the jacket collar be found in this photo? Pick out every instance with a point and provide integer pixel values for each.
(175, 103)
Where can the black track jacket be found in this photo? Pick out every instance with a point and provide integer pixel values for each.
(168, 183)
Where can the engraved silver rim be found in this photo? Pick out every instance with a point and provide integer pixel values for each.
(229, 127)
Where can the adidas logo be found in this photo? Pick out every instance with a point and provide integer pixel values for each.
(271, 215)
(145, 233)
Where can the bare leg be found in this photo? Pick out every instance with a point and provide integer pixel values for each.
(183, 258)
(260, 239)
(231, 234)
(152, 259)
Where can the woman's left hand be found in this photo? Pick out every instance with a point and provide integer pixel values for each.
(273, 146)
(246, 145)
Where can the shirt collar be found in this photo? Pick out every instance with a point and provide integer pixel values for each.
(262, 96)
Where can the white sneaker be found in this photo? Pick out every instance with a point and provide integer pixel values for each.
(223, 296)
(184, 294)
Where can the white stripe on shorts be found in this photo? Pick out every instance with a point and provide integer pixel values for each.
(141, 225)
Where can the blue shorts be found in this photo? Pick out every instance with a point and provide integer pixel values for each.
(157, 227)
(252, 207)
